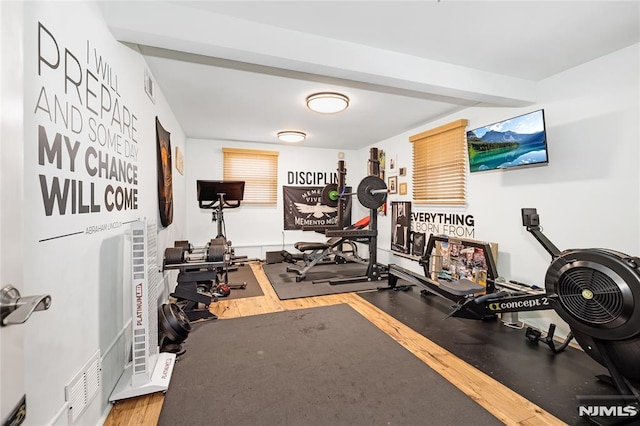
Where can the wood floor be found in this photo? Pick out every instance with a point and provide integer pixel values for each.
(506, 405)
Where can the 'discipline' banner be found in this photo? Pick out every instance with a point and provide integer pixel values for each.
(303, 207)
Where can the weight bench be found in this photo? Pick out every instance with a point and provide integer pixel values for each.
(315, 252)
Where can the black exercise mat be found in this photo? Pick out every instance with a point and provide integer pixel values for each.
(318, 366)
(551, 382)
(244, 274)
(285, 285)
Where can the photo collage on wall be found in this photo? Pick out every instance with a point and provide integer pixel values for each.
(382, 210)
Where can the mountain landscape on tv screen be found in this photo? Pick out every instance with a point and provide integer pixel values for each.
(495, 150)
(508, 136)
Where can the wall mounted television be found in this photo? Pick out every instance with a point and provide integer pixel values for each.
(515, 142)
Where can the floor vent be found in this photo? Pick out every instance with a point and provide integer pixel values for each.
(83, 388)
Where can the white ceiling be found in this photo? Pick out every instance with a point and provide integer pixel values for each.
(240, 70)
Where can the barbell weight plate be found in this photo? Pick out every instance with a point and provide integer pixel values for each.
(174, 255)
(330, 195)
(216, 253)
(369, 199)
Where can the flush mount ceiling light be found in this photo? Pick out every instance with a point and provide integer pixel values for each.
(291, 136)
(327, 102)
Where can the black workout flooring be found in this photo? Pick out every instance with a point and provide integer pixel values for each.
(552, 382)
(316, 282)
(317, 366)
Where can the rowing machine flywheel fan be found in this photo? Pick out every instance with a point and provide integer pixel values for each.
(598, 295)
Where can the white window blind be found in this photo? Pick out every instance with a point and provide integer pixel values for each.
(258, 169)
(439, 165)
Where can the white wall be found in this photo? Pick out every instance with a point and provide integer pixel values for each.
(253, 230)
(586, 197)
(86, 273)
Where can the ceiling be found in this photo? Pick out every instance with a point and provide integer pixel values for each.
(240, 71)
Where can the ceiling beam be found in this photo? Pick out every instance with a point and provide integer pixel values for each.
(178, 28)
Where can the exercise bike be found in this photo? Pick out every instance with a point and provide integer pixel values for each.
(204, 271)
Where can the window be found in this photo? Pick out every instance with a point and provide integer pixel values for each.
(258, 169)
(439, 165)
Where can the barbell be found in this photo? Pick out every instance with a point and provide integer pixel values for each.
(372, 193)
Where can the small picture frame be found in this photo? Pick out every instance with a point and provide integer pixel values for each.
(403, 188)
(179, 161)
(401, 226)
(149, 86)
(393, 185)
(403, 171)
(393, 163)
